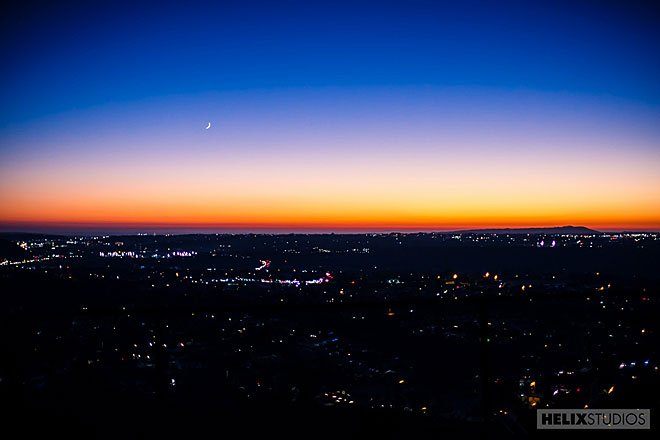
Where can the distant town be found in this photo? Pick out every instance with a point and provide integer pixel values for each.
(443, 329)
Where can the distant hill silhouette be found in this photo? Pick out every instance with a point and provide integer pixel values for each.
(574, 230)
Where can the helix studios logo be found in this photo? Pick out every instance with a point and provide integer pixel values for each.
(593, 419)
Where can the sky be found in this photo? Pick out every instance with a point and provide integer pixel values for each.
(338, 116)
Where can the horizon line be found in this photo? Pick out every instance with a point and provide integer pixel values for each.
(187, 229)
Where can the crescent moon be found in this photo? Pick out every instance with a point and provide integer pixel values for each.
(208, 126)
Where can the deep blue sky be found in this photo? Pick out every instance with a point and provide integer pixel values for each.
(331, 115)
(62, 57)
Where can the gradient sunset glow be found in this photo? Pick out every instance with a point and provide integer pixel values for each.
(342, 128)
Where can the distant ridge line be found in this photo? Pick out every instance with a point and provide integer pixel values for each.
(579, 230)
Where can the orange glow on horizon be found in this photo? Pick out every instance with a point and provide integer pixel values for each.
(314, 207)
(341, 189)
(382, 226)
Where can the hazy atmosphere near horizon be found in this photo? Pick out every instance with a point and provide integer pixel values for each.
(337, 116)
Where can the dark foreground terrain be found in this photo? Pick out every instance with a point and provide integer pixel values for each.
(355, 336)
